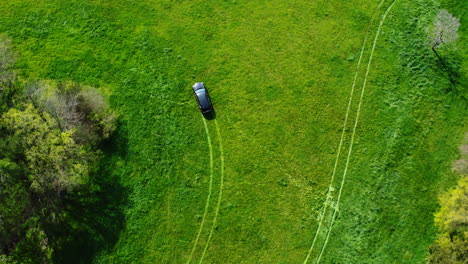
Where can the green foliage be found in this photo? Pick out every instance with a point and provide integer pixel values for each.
(452, 220)
(453, 216)
(13, 202)
(48, 180)
(54, 162)
(34, 246)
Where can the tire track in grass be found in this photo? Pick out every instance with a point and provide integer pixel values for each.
(328, 195)
(220, 192)
(354, 130)
(208, 138)
(330, 188)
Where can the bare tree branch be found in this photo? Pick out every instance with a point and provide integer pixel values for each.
(444, 29)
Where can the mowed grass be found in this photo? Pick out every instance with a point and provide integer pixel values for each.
(279, 73)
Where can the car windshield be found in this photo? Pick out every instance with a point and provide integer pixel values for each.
(203, 99)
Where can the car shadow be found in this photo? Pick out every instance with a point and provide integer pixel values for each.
(210, 116)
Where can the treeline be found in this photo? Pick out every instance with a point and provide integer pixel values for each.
(451, 245)
(51, 134)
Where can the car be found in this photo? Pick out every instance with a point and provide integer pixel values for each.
(203, 98)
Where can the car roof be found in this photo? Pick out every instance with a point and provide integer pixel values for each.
(203, 99)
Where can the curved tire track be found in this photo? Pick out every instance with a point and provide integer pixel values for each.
(220, 192)
(328, 202)
(208, 138)
(328, 195)
(354, 129)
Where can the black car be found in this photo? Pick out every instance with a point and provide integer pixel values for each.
(203, 98)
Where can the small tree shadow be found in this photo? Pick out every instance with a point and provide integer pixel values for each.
(451, 68)
(451, 71)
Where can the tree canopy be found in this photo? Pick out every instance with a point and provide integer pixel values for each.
(444, 29)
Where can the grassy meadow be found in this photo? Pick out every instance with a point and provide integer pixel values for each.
(285, 77)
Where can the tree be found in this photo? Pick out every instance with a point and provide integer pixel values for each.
(453, 215)
(452, 221)
(53, 160)
(444, 29)
(39, 164)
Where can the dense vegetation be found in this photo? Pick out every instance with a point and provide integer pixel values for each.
(451, 245)
(49, 140)
(280, 75)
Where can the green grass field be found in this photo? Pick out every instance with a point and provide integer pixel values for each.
(335, 127)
